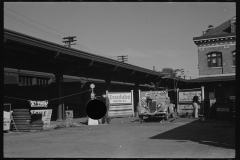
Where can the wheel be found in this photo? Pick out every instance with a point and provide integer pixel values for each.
(21, 122)
(25, 130)
(36, 128)
(21, 127)
(40, 122)
(21, 118)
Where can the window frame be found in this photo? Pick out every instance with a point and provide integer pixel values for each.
(214, 57)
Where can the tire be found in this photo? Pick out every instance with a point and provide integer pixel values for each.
(20, 110)
(23, 118)
(26, 130)
(149, 117)
(37, 123)
(20, 113)
(22, 122)
(22, 127)
(36, 128)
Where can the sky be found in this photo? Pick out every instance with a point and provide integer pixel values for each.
(156, 34)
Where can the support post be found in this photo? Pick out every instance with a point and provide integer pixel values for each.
(108, 83)
(59, 79)
(177, 96)
(135, 96)
(132, 102)
(202, 103)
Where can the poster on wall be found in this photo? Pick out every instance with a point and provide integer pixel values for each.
(6, 116)
(187, 96)
(121, 104)
(46, 115)
(120, 98)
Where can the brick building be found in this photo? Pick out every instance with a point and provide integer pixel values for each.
(216, 50)
(217, 67)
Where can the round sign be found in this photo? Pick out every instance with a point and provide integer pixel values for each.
(92, 86)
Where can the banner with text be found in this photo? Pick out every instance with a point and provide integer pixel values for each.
(38, 103)
(121, 104)
(187, 96)
(46, 115)
(120, 98)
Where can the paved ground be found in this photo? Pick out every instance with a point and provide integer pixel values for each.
(126, 138)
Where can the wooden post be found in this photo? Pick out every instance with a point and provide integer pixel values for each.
(59, 79)
(202, 103)
(132, 102)
(177, 101)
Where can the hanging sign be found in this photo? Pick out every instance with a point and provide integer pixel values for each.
(38, 103)
(46, 115)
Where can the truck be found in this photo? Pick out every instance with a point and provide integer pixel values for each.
(155, 103)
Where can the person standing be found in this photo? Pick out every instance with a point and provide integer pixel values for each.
(105, 99)
(195, 104)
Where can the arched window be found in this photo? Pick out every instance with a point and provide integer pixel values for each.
(234, 58)
(214, 59)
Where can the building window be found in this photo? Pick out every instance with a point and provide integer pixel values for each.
(214, 59)
(234, 58)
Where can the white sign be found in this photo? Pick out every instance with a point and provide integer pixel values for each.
(6, 120)
(38, 103)
(120, 98)
(188, 96)
(46, 115)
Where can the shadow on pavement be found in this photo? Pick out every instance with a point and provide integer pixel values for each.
(210, 132)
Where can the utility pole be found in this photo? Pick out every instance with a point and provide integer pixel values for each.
(69, 40)
(122, 58)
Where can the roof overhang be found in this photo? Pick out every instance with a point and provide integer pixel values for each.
(28, 53)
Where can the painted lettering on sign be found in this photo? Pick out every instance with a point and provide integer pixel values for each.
(46, 115)
(120, 98)
(188, 96)
(38, 103)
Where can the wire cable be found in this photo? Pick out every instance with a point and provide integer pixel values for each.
(49, 99)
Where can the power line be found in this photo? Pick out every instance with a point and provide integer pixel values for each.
(34, 27)
(69, 41)
(122, 58)
(36, 21)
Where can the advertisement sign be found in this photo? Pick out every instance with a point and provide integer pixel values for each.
(6, 120)
(187, 96)
(120, 98)
(69, 114)
(121, 104)
(46, 115)
(6, 116)
(38, 103)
